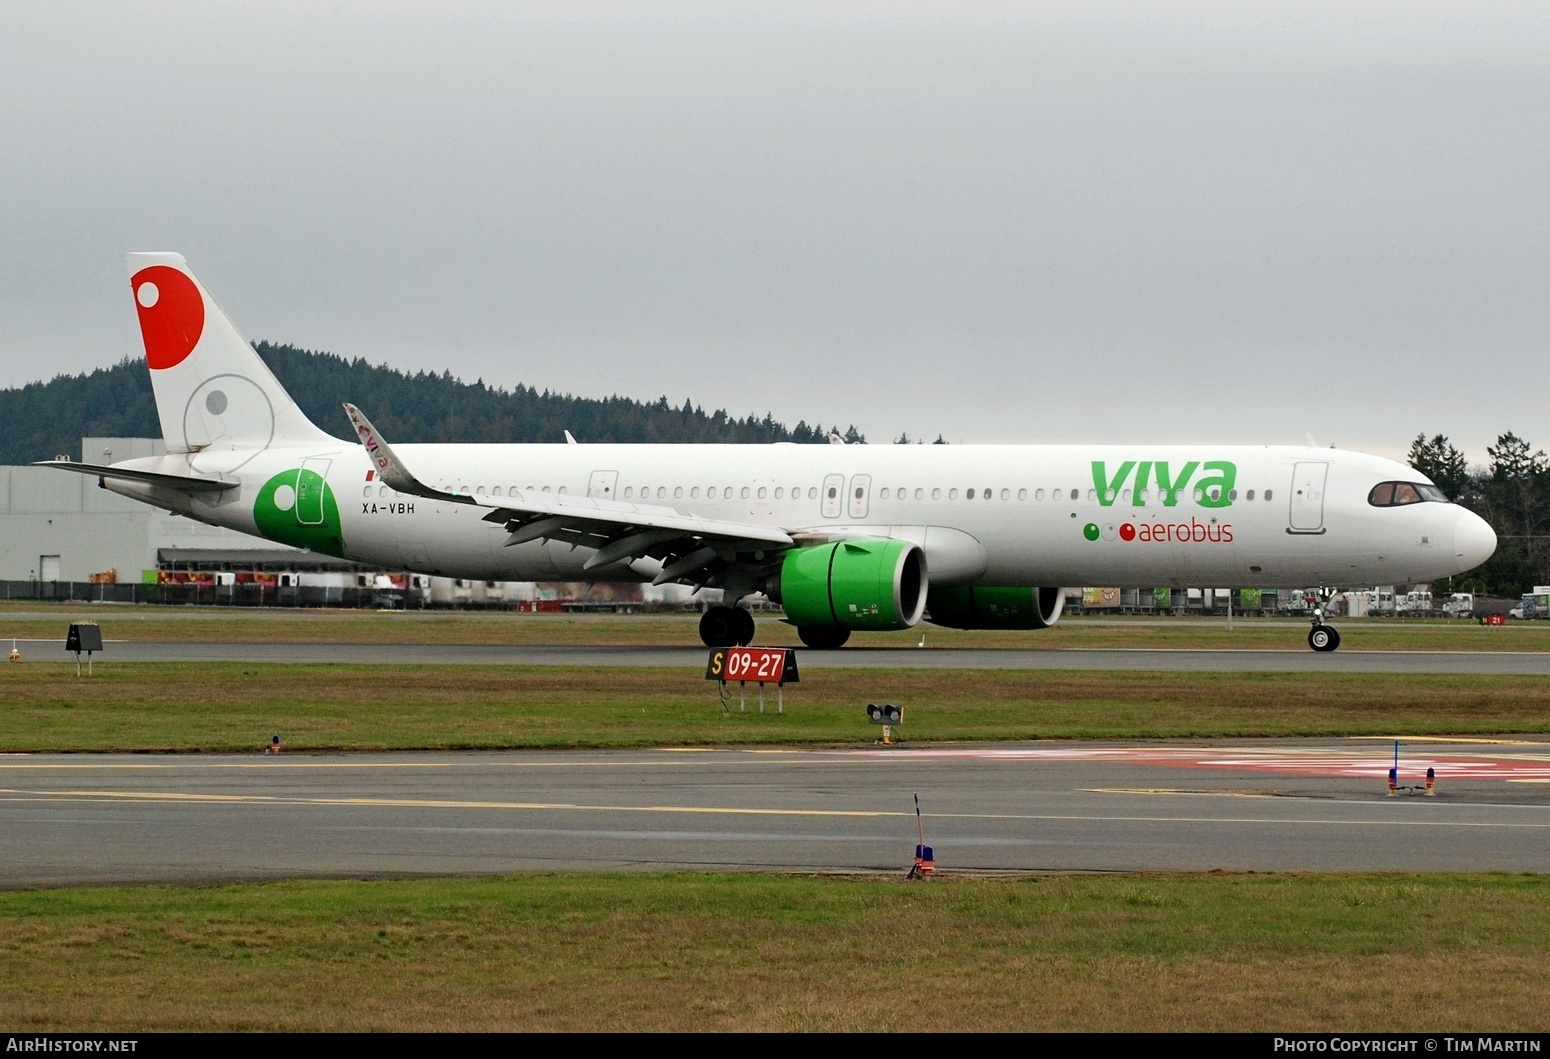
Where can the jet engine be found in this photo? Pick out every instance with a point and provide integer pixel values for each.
(987, 607)
(853, 584)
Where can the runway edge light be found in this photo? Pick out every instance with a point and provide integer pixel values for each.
(887, 715)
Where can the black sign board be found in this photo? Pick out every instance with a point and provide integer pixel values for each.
(86, 638)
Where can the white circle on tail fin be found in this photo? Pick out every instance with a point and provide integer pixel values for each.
(147, 294)
(285, 498)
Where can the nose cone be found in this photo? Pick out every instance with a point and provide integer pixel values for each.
(1473, 541)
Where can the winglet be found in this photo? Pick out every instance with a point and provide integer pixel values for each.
(388, 466)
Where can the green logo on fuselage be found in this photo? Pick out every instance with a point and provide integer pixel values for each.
(298, 508)
(1214, 490)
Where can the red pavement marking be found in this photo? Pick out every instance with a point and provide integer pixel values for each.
(1283, 760)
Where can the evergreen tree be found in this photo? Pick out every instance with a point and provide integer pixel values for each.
(1442, 463)
(42, 420)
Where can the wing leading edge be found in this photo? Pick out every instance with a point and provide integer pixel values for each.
(688, 547)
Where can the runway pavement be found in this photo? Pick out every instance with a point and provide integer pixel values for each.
(1290, 660)
(1230, 805)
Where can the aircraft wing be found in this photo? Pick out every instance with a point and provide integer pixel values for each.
(687, 546)
(183, 483)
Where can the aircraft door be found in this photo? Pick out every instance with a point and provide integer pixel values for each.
(860, 494)
(1307, 503)
(603, 485)
(833, 502)
(310, 481)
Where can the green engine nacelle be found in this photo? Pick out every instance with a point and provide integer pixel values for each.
(863, 584)
(970, 607)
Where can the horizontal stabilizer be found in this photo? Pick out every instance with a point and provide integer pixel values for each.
(183, 483)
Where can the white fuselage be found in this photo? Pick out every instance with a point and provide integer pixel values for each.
(1065, 515)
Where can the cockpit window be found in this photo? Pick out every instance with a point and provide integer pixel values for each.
(1397, 494)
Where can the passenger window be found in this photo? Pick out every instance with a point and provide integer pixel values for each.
(971, 494)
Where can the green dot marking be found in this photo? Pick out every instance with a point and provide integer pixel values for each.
(1090, 531)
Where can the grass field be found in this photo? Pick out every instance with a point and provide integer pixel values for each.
(236, 706)
(49, 622)
(712, 952)
(759, 952)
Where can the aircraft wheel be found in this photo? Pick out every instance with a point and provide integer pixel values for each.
(1324, 638)
(823, 639)
(718, 626)
(742, 626)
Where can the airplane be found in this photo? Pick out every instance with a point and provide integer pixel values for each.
(843, 537)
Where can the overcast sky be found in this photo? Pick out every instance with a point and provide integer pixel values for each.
(1000, 222)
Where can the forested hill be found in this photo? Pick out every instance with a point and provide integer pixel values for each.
(41, 420)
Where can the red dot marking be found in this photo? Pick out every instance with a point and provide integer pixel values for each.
(1127, 532)
(172, 324)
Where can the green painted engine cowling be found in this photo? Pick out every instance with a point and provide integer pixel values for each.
(862, 584)
(992, 607)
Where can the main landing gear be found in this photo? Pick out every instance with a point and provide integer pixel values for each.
(1323, 637)
(726, 627)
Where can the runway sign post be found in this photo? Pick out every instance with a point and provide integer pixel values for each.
(83, 637)
(753, 665)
